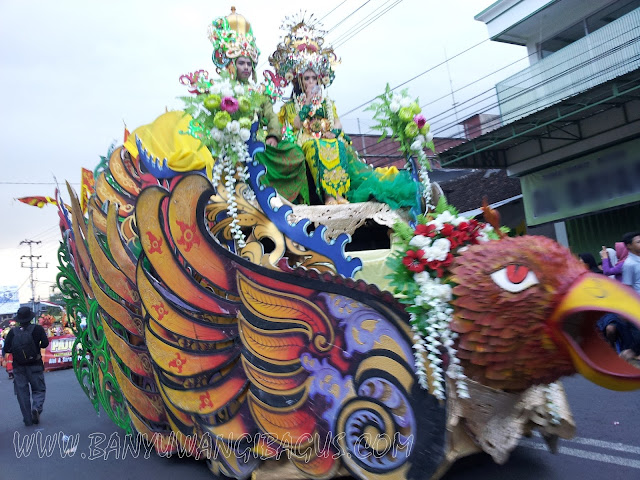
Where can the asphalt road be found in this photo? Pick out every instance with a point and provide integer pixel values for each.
(607, 444)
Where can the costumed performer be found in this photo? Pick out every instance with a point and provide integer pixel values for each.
(339, 175)
(235, 50)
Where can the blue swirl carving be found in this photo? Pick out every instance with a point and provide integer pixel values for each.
(345, 265)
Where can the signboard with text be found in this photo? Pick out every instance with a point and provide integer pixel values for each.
(58, 353)
(601, 180)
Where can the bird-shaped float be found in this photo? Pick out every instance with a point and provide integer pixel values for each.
(244, 355)
(223, 323)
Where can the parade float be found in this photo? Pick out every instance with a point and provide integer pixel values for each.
(226, 323)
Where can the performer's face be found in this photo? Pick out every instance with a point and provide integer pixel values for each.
(244, 68)
(309, 80)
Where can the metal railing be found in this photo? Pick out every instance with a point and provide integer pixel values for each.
(603, 55)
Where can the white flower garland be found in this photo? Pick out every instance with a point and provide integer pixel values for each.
(436, 311)
(423, 174)
(436, 297)
(232, 171)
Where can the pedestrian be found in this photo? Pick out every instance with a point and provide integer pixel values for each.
(631, 267)
(25, 341)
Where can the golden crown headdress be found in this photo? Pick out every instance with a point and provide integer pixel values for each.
(302, 48)
(232, 37)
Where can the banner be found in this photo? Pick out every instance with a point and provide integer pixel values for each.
(58, 352)
(601, 180)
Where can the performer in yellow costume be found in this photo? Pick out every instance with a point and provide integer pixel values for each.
(339, 176)
(319, 133)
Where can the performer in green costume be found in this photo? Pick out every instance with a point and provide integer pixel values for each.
(235, 50)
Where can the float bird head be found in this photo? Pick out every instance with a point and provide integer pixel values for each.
(526, 313)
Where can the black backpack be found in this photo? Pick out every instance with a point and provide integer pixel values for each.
(24, 348)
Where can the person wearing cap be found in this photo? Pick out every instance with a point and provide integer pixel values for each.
(28, 375)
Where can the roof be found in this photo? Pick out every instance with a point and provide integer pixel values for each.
(467, 192)
(385, 152)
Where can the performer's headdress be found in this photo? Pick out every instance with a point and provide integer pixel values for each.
(302, 49)
(232, 37)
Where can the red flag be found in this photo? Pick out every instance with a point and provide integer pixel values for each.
(38, 201)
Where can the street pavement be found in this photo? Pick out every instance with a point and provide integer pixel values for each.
(607, 444)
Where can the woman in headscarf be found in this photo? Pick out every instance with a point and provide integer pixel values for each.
(614, 268)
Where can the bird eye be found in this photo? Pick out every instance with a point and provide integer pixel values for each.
(514, 278)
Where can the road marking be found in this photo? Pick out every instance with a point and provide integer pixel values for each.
(598, 457)
(621, 447)
(592, 442)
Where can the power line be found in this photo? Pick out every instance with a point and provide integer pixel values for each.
(331, 11)
(342, 40)
(46, 232)
(589, 60)
(347, 17)
(481, 97)
(477, 80)
(417, 76)
(535, 104)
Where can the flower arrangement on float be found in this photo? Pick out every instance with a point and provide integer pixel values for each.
(401, 115)
(223, 112)
(420, 280)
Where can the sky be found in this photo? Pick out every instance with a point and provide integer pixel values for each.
(73, 72)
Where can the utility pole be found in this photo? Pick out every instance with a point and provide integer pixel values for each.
(32, 267)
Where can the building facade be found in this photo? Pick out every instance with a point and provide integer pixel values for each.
(570, 122)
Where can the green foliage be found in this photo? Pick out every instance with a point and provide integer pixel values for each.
(90, 351)
(396, 113)
(443, 206)
(403, 231)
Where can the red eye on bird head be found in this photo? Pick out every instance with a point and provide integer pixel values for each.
(514, 278)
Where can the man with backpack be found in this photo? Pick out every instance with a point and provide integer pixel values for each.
(24, 342)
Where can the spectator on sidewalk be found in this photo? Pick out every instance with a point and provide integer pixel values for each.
(613, 262)
(631, 267)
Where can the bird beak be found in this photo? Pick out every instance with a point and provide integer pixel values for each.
(574, 325)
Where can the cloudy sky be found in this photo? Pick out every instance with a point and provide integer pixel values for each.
(72, 71)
